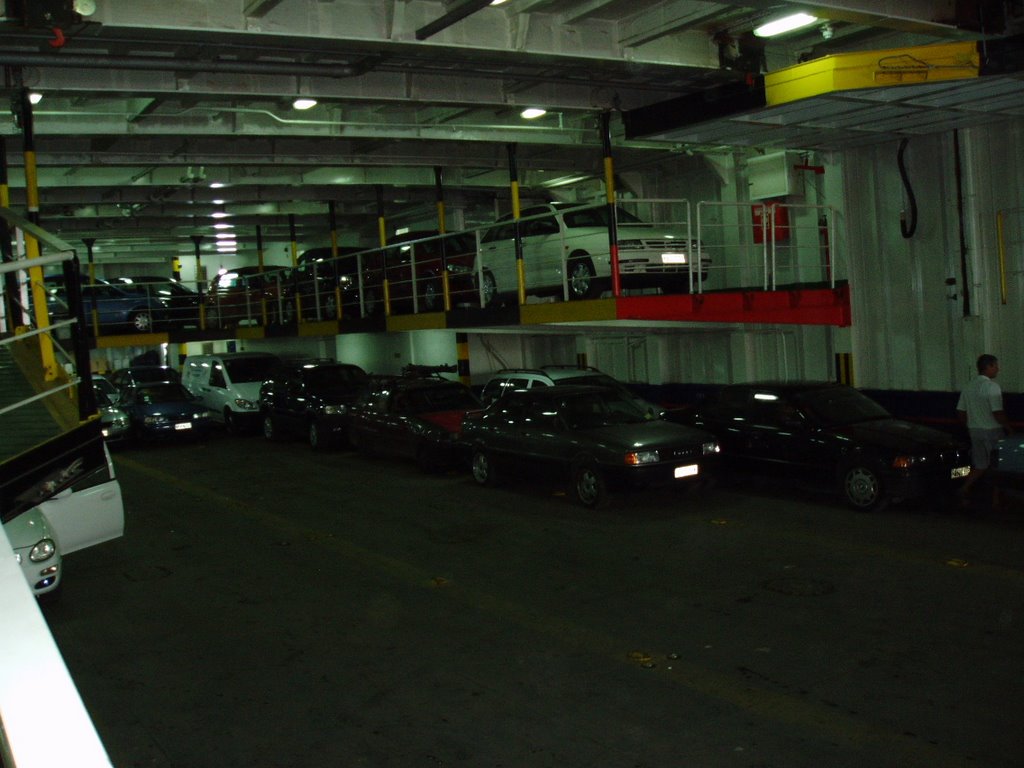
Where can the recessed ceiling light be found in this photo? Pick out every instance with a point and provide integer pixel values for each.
(303, 103)
(35, 97)
(531, 113)
(785, 24)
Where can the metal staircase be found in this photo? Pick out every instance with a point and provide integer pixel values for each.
(24, 427)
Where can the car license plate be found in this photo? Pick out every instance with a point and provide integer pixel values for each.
(687, 471)
(960, 472)
(183, 425)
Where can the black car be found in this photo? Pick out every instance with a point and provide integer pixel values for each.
(320, 280)
(413, 417)
(834, 434)
(136, 375)
(595, 436)
(310, 399)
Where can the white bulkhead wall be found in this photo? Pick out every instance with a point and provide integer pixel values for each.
(911, 329)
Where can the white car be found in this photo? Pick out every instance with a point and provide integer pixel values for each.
(570, 243)
(76, 518)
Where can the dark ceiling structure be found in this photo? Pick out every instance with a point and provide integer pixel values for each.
(146, 105)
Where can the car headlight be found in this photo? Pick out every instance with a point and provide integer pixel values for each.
(43, 550)
(199, 415)
(334, 410)
(710, 448)
(154, 420)
(460, 269)
(246, 405)
(642, 457)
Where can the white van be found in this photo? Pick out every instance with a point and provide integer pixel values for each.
(229, 385)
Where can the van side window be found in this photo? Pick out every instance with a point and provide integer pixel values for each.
(217, 376)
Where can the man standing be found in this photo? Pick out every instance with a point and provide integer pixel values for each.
(980, 409)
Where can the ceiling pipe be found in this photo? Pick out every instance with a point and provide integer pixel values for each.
(171, 64)
(453, 16)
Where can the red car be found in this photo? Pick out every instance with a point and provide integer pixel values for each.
(235, 297)
(414, 268)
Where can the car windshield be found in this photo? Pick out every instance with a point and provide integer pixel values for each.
(597, 217)
(599, 409)
(155, 374)
(593, 379)
(840, 405)
(443, 398)
(325, 377)
(250, 369)
(162, 393)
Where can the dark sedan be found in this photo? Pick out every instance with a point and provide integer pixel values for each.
(595, 436)
(834, 434)
(411, 417)
(311, 399)
(163, 411)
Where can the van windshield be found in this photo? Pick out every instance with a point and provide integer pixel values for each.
(249, 369)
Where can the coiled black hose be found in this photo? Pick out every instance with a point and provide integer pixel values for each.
(907, 230)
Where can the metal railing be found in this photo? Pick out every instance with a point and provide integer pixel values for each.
(33, 676)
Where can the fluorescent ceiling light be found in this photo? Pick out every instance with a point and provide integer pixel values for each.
(225, 235)
(303, 102)
(497, 2)
(219, 215)
(785, 24)
(531, 113)
(223, 225)
(216, 184)
(35, 97)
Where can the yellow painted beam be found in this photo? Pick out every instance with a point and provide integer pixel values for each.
(421, 322)
(319, 328)
(131, 340)
(873, 69)
(567, 311)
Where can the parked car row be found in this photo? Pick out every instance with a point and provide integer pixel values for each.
(146, 403)
(579, 424)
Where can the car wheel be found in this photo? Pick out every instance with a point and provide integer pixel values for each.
(432, 296)
(269, 428)
(490, 288)
(317, 440)
(863, 488)
(483, 469)
(230, 422)
(588, 486)
(141, 322)
(582, 282)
